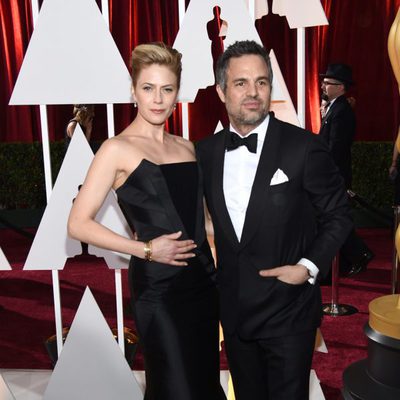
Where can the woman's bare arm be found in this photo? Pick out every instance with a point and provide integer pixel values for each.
(82, 225)
(71, 128)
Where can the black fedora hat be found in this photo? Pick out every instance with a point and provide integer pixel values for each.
(340, 72)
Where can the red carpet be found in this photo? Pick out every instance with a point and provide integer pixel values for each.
(27, 313)
(344, 335)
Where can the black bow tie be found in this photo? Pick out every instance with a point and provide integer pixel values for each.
(233, 141)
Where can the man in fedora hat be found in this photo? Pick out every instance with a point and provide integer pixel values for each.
(338, 127)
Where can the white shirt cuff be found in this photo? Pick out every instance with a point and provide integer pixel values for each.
(312, 268)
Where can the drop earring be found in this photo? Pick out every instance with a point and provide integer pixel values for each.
(134, 104)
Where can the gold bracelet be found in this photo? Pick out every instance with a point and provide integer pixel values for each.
(147, 250)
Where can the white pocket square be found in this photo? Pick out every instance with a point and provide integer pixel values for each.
(279, 177)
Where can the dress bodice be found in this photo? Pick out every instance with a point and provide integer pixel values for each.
(163, 199)
(182, 182)
(160, 199)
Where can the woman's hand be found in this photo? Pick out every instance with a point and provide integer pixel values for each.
(167, 249)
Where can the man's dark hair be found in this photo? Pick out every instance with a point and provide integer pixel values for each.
(239, 49)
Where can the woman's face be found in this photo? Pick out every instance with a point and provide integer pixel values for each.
(155, 93)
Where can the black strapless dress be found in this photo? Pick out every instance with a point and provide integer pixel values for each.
(175, 308)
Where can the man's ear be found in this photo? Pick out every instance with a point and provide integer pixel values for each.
(221, 93)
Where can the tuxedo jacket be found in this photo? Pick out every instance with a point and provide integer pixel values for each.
(338, 130)
(307, 216)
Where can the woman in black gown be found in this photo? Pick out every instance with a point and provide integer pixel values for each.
(172, 276)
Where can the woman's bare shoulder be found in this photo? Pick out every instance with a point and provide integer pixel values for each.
(118, 143)
(109, 147)
(115, 152)
(186, 144)
(123, 153)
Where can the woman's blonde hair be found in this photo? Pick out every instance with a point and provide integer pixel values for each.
(159, 53)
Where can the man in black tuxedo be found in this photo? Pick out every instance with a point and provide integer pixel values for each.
(338, 126)
(280, 213)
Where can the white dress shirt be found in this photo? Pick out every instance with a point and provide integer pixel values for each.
(240, 167)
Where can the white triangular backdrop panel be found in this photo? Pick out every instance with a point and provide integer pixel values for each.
(219, 127)
(193, 42)
(282, 107)
(301, 14)
(5, 392)
(320, 344)
(72, 58)
(51, 246)
(260, 8)
(91, 365)
(4, 264)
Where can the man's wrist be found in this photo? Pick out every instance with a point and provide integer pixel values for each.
(311, 268)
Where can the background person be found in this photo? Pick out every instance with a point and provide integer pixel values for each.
(83, 115)
(338, 128)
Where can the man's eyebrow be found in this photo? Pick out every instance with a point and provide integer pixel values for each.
(240, 79)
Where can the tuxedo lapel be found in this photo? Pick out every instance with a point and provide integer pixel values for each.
(325, 118)
(333, 107)
(265, 170)
(217, 191)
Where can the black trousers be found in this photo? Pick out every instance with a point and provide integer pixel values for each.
(271, 369)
